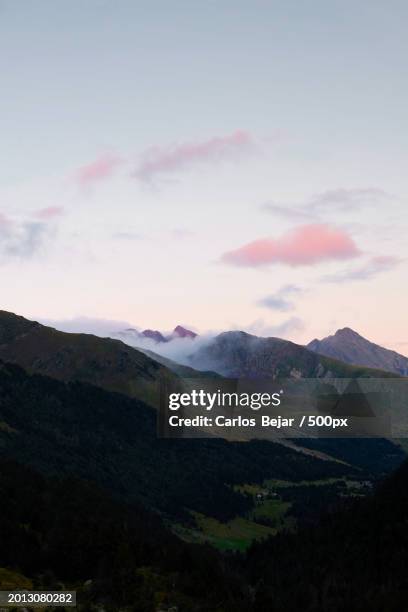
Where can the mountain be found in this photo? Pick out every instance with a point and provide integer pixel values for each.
(181, 370)
(132, 336)
(153, 334)
(348, 346)
(183, 332)
(105, 362)
(241, 355)
(116, 367)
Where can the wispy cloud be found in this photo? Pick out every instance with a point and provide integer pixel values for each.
(289, 327)
(158, 161)
(161, 161)
(306, 245)
(281, 300)
(23, 236)
(290, 211)
(347, 199)
(331, 200)
(21, 239)
(375, 266)
(98, 170)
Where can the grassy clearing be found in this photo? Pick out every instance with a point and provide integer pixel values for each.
(271, 509)
(268, 516)
(237, 534)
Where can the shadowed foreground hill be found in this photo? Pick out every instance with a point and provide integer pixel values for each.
(79, 430)
(55, 531)
(104, 362)
(64, 530)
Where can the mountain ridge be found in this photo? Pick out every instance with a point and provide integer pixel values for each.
(350, 347)
(179, 332)
(106, 362)
(237, 354)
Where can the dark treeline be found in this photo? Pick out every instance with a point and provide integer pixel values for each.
(75, 429)
(355, 559)
(66, 532)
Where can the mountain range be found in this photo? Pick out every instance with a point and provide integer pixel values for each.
(92, 498)
(61, 414)
(226, 353)
(237, 354)
(116, 366)
(133, 335)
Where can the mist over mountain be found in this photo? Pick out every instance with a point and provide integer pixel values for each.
(237, 354)
(177, 346)
(157, 336)
(116, 366)
(242, 355)
(348, 346)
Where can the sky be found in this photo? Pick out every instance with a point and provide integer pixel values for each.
(217, 164)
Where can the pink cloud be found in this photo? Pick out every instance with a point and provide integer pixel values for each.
(98, 170)
(49, 213)
(158, 160)
(306, 245)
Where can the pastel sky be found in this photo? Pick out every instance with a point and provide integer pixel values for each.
(221, 164)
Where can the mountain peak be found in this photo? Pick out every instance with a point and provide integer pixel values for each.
(154, 334)
(347, 332)
(348, 346)
(183, 332)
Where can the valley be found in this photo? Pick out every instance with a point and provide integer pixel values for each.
(80, 412)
